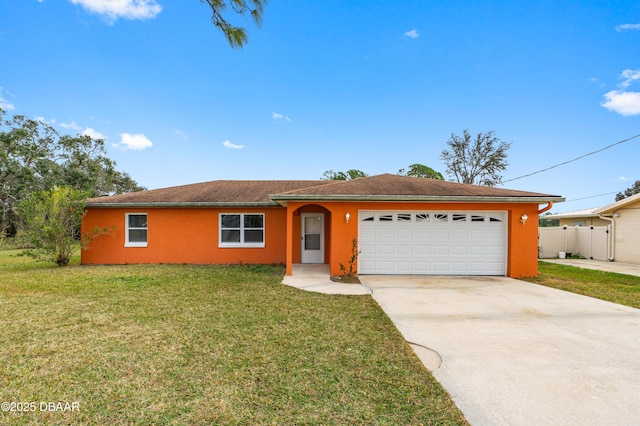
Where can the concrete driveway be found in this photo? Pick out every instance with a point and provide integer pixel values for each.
(515, 353)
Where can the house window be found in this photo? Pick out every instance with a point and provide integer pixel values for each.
(136, 235)
(404, 217)
(242, 230)
(459, 217)
(422, 217)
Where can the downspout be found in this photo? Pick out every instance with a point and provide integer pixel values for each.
(612, 237)
(544, 209)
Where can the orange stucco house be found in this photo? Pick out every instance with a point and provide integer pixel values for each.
(402, 225)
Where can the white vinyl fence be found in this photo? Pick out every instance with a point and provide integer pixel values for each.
(591, 242)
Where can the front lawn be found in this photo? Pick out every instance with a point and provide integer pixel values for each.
(617, 288)
(179, 344)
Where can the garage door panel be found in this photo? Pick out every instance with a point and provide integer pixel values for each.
(385, 234)
(404, 267)
(422, 249)
(440, 249)
(427, 242)
(422, 267)
(404, 250)
(440, 267)
(477, 250)
(460, 234)
(494, 250)
(385, 266)
(459, 267)
(422, 233)
(366, 233)
(478, 234)
(441, 234)
(366, 249)
(459, 250)
(385, 249)
(404, 233)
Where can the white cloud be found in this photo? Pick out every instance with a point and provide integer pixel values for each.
(112, 10)
(182, 135)
(412, 33)
(136, 142)
(629, 77)
(627, 27)
(621, 179)
(230, 145)
(624, 103)
(280, 117)
(92, 133)
(72, 125)
(5, 104)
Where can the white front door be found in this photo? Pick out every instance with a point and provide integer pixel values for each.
(312, 237)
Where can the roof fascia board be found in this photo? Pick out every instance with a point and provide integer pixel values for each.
(280, 198)
(570, 216)
(618, 205)
(180, 204)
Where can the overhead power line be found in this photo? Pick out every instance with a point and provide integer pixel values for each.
(575, 159)
(592, 196)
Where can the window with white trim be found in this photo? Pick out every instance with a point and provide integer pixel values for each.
(136, 230)
(241, 230)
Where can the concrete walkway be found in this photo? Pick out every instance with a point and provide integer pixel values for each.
(599, 265)
(316, 278)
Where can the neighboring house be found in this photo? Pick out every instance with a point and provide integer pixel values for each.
(586, 217)
(625, 228)
(403, 225)
(607, 233)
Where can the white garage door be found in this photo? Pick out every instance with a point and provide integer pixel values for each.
(432, 242)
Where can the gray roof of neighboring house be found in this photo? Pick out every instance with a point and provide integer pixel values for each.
(573, 214)
(596, 211)
(385, 187)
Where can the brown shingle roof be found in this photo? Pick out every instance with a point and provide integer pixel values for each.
(218, 191)
(380, 187)
(396, 185)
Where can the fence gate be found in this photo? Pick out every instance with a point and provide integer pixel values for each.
(591, 242)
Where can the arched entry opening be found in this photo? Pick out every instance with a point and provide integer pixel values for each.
(311, 234)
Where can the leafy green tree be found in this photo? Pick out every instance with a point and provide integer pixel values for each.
(634, 189)
(34, 157)
(477, 161)
(50, 223)
(348, 175)
(422, 171)
(236, 36)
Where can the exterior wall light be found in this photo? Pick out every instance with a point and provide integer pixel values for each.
(347, 217)
(524, 218)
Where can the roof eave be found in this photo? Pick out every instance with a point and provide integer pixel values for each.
(572, 216)
(180, 204)
(283, 198)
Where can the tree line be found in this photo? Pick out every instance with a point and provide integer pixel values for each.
(36, 157)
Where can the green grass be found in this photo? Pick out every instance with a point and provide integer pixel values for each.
(617, 288)
(179, 344)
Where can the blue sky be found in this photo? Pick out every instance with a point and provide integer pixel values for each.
(370, 85)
